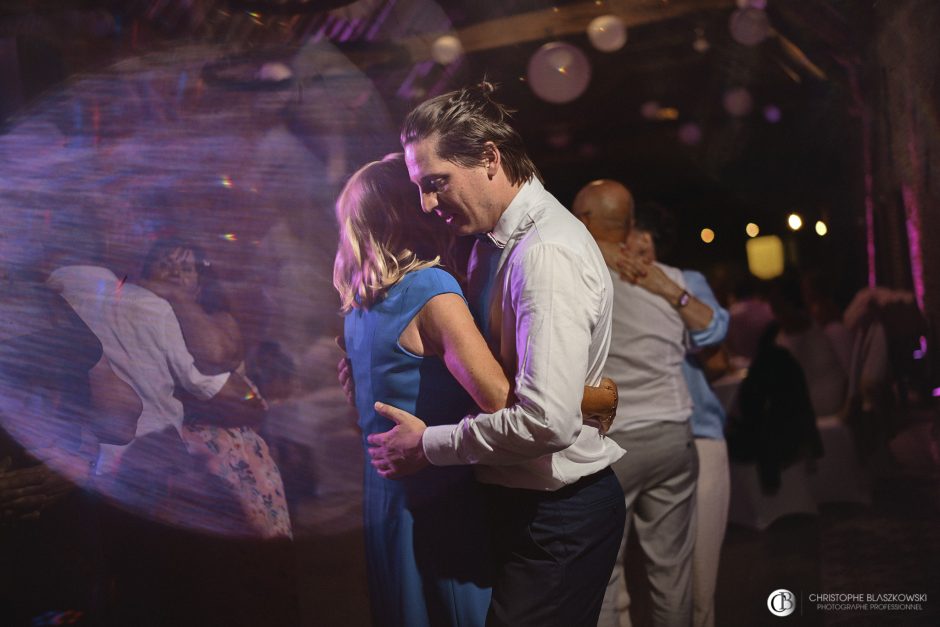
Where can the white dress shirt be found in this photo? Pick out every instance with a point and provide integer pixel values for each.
(647, 348)
(142, 339)
(548, 320)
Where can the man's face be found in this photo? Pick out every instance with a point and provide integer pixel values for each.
(458, 195)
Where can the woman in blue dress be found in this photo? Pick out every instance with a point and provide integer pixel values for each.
(412, 343)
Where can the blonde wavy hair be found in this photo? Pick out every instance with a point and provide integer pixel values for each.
(383, 233)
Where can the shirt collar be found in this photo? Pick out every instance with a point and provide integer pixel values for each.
(525, 198)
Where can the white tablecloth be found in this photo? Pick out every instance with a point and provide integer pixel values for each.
(836, 477)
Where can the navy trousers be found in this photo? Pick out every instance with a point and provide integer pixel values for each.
(554, 551)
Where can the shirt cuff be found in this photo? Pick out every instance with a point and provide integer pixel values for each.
(213, 384)
(708, 336)
(438, 445)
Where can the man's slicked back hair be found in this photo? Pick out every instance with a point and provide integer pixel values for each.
(463, 121)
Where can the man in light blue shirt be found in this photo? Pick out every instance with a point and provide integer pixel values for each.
(713, 489)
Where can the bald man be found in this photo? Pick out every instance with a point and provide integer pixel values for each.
(651, 316)
(606, 209)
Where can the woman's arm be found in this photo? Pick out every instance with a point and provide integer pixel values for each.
(445, 328)
(214, 340)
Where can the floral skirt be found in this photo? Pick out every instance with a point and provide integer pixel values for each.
(241, 459)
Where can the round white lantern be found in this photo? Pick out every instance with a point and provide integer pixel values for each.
(446, 49)
(607, 33)
(559, 72)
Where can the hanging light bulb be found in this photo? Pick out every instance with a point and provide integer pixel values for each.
(700, 44)
(749, 26)
(738, 101)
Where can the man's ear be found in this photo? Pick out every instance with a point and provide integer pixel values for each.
(492, 159)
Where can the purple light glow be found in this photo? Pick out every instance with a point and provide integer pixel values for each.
(350, 29)
(869, 218)
(446, 78)
(690, 133)
(380, 19)
(420, 70)
(913, 239)
(912, 209)
(772, 113)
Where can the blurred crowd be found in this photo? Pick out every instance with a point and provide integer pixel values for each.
(136, 446)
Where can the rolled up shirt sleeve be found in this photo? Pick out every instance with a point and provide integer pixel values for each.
(717, 329)
(550, 302)
(182, 364)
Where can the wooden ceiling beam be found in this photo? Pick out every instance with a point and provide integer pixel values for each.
(563, 20)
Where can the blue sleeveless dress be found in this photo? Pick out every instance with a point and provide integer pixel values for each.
(427, 544)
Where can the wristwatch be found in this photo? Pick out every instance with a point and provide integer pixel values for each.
(684, 299)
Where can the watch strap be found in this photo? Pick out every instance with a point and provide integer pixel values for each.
(684, 299)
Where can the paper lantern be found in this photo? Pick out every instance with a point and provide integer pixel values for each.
(738, 101)
(446, 49)
(749, 26)
(765, 256)
(558, 72)
(607, 33)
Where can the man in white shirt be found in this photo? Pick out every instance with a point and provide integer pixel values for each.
(652, 316)
(541, 294)
(142, 339)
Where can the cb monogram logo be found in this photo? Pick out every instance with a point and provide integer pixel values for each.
(781, 602)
